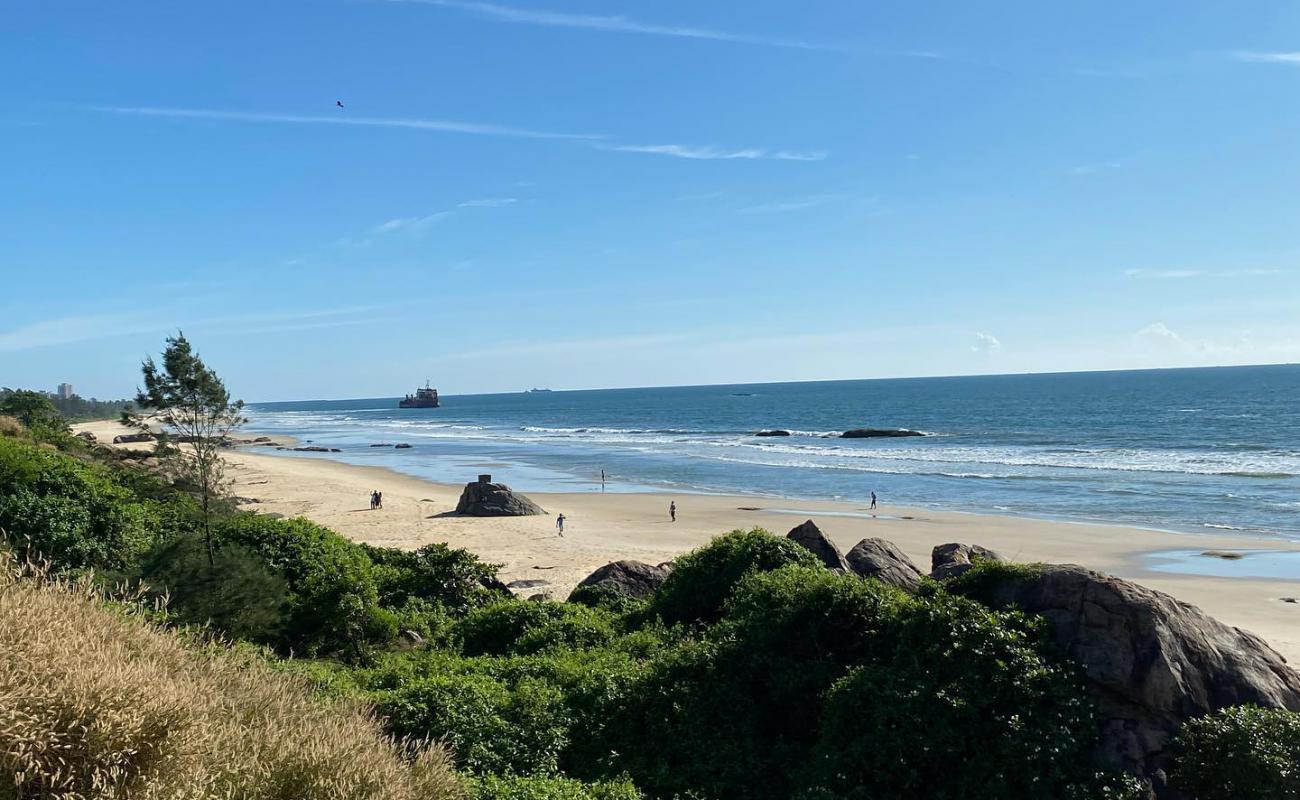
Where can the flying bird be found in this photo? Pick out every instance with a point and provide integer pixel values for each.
(338, 103)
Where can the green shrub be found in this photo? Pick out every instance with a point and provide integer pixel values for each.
(702, 580)
(494, 787)
(333, 596)
(237, 594)
(1238, 753)
(73, 513)
(956, 689)
(519, 627)
(820, 684)
(489, 726)
(453, 579)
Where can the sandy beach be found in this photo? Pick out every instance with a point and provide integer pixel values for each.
(610, 526)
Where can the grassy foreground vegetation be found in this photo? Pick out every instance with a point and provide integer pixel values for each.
(752, 673)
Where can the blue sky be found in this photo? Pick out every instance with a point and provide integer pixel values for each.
(587, 194)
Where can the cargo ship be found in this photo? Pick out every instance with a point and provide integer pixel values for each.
(423, 398)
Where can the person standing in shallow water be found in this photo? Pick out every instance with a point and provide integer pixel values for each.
(559, 524)
(672, 511)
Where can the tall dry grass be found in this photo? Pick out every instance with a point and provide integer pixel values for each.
(11, 426)
(95, 703)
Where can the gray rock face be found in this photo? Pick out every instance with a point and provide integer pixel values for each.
(1151, 661)
(951, 560)
(882, 560)
(634, 579)
(810, 536)
(128, 438)
(494, 500)
(878, 433)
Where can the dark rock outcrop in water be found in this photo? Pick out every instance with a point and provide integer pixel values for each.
(951, 560)
(1151, 662)
(810, 536)
(634, 579)
(776, 432)
(878, 433)
(882, 560)
(483, 499)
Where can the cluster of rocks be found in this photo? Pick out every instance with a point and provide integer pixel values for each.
(1151, 662)
(311, 448)
(399, 446)
(131, 438)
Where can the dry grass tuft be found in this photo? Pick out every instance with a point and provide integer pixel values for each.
(11, 426)
(97, 704)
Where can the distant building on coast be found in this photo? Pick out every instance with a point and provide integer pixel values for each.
(65, 391)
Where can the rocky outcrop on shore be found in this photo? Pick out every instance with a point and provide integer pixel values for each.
(1150, 661)
(131, 438)
(773, 432)
(953, 559)
(634, 579)
(486, 499)
(810, 536)
(882, 560)
(878, 433)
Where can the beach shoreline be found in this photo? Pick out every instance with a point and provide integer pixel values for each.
(605, 527)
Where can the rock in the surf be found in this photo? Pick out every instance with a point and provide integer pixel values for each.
(485, 499)
(882, 560)
(953, 559)
(878, 433)
(810, 536)
(775, 432)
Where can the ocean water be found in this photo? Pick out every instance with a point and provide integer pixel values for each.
(1210, 450)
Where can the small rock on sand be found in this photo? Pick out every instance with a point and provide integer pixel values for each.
(1227, 555)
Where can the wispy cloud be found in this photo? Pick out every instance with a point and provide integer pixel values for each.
(796, 204)
(419, 225)
(471, 128)
(1291, 58)
(342, 118)
(617, 24)
(1182, 274)
(92, 327)
(708, 152)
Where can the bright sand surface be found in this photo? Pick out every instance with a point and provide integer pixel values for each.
(604, 527)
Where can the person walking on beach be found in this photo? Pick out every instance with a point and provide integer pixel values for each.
(379, 499)
(873, 501)
(672, 511)
(559, 525)
(374, 499)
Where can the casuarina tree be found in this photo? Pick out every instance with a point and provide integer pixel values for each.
(190, 403)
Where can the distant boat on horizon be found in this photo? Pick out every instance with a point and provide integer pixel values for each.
(535, 391)
(423, 398)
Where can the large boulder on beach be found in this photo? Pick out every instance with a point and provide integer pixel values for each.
(810, 536)
(1151, 662)
(634, 579)
(878, 433)
(882, 560)
(953, 559)
(483, 499)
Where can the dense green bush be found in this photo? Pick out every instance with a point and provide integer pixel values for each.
(333, 596)
(826, 685)
(1239, 753)
(702, 580)
(543, 788)
(237, 593)
(453, 579)
(520, 627)
(491, 727)
(75, 514)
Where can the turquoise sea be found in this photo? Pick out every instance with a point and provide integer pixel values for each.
(1193, 449)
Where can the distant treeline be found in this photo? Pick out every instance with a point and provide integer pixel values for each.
(77, 408)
